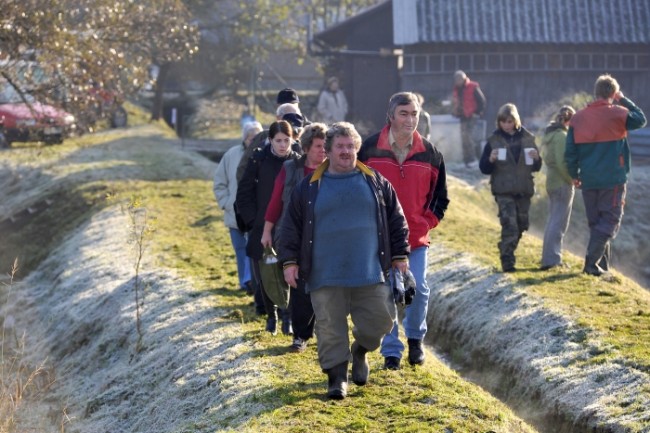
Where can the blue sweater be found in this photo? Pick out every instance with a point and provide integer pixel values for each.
(345, 250)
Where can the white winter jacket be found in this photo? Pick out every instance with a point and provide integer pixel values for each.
(225, 183)
(333, 107)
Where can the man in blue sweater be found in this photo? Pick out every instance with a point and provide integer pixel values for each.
(343, 231)
(597, 156)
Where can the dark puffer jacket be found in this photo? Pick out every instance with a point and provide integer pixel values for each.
(254, 192)
(297, 228)
(512, 175)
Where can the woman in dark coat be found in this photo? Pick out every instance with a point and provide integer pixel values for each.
(253, 195)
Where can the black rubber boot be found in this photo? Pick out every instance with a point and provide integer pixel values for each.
(416, 352)
(360, 366)
(337, 381)
(287, 329)
(272, 323)
(598, 245)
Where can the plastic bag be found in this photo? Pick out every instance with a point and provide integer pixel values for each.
(273, 279)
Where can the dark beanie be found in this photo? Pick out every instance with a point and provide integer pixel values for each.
(295, 119)
(287, 96)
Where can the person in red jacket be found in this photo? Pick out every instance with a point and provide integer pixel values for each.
(416, 169)
(468, 104)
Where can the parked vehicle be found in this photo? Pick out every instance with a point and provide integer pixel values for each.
(25, 119)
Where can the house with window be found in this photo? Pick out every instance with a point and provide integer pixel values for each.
(529, 52)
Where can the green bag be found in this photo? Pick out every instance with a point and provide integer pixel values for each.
(273, 279)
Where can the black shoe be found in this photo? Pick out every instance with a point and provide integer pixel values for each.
(337, 381)
(250, 289)
(416, 353)
(391, 363)
(287, 329)
(509, 268)
(272, 324)
(360, 366)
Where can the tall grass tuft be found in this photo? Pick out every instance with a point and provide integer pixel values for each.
(18, 379)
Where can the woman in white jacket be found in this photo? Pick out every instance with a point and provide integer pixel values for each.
(225, 190)
(332, 105)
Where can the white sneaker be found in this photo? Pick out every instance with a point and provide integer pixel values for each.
(298, 345)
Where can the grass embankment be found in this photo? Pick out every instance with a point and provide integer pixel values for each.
(617, 310)
(68, 184)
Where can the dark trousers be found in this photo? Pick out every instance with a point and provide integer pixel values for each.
(302, 312)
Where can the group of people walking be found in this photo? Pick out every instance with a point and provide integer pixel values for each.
(343, 214)
(587, 149)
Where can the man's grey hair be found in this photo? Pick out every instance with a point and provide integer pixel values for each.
(287, 108)
(251, 126)
(342, 129)
(401, 98)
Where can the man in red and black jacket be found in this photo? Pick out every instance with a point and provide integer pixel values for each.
(416, 169)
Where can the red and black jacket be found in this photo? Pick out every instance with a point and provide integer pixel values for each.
(420, 181)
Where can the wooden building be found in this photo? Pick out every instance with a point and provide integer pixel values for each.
(530, 52)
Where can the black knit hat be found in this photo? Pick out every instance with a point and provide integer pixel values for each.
(287, 96)
(295, 120)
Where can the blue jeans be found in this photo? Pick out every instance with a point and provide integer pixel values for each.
(238, 240)
(415, 315)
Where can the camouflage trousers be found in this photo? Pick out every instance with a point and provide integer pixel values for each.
(513, 216)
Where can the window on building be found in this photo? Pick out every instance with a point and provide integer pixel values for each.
(465, 62)
(584, 61)
(449, 63)
(509, 62)
(420, 64)
(627, 61)
(523, 61)
(568, 61)
(540, 61)
(613, 61)
(494, 62)
(598, 61)
(554, 61)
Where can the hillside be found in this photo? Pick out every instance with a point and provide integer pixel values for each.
(204, 364)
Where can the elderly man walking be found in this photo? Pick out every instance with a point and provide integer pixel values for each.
(343, 231)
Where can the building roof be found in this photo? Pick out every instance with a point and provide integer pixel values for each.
(522, 21)
(338, 34)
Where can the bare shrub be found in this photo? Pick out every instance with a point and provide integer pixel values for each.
(18, 378)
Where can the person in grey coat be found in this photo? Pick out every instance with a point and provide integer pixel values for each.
(225, 191)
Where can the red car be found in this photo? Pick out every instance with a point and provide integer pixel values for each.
(33, 121)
